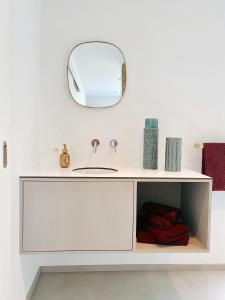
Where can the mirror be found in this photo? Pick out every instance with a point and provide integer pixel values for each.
(96, 74)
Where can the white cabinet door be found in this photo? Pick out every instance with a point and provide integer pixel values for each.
(6, 249)
(72, 215)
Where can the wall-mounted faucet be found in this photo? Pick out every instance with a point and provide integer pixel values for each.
(95, 143)
(114, 143)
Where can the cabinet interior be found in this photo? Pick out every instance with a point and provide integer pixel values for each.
(194, 200)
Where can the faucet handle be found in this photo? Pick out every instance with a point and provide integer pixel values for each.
(114, 143)
(95, 143)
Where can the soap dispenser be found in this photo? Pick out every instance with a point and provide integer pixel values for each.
(64, 157)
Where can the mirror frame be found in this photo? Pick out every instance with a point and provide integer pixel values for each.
(124, 74)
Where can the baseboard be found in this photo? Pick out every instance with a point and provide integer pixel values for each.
(111, 268)
(34, 284)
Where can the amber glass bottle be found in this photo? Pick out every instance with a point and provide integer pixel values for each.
(64, 157)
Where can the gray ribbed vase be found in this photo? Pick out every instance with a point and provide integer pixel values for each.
(150, 159)
(173, 154)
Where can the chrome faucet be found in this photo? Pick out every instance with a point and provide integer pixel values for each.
(95, 143)
(114, 143)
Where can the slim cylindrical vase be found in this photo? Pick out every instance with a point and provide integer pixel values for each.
(173, 154)
(151, 135)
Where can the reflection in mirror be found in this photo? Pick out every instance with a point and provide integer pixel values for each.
(97, 74)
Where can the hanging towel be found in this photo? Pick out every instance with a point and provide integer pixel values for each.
(168, 212)
(213, 164)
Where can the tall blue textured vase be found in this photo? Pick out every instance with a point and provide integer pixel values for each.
(173, 154)
(151, 136)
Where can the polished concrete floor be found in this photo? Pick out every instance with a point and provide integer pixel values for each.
(132, 285)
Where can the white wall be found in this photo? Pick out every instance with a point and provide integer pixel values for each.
(175, 63)
(175, 71)
(25, 74)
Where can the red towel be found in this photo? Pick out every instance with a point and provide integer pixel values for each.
(168, 212)
(182, 241)
(145, 237)
(159, 222)
(213, 164)
(142, 222)
(176, 235)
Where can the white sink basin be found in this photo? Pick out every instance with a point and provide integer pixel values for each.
(95, 170)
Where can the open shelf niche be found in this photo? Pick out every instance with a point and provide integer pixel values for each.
(193, 197)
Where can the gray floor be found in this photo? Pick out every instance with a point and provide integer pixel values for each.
(135, 285)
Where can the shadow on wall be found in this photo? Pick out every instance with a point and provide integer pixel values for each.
(218, 203)
(29, 267)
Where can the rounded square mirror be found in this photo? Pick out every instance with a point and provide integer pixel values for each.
(96, 74)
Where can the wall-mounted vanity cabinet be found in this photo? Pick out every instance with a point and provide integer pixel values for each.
(72, 213)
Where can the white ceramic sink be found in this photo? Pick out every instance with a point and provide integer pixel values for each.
(95, 170)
